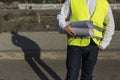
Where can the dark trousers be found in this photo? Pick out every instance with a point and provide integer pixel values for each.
(83, 58)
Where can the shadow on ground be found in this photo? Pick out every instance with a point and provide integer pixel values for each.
(32, 56)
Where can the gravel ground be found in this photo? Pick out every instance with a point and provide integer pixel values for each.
(35, 20)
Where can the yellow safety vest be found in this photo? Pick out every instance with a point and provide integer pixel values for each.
(80, 12)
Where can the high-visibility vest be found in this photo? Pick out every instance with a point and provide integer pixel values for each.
(80, 12)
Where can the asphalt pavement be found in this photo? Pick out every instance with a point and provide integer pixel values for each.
(51, 65)
(53, 69)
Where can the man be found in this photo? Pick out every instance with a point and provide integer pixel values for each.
(82, 52)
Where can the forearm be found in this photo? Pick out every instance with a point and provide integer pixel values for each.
(109, 31)
(62, 15)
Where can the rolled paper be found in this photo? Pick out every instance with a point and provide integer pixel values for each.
(83, 28)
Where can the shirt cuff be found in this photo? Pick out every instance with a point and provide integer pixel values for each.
(104, 45)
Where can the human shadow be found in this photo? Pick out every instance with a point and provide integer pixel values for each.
(32, 55)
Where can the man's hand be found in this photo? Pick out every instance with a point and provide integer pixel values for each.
(100, 48)
(69, 31)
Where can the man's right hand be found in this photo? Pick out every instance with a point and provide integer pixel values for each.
(69, 31)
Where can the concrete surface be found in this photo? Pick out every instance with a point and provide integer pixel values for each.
(53, 69)
(53, 6)
(42, 40)
(39, 40)
(49, 45)
(107, 54)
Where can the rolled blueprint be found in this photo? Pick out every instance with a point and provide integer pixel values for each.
(83, 28)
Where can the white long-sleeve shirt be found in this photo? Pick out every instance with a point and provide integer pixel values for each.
(65, 12)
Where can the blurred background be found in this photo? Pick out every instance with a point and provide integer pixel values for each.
(29, 30)
(37, 15)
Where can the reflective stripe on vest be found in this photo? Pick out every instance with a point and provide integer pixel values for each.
(80, 12)
(98, 20)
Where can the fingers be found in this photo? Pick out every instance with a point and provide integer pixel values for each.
(100, 48)
(69, 31)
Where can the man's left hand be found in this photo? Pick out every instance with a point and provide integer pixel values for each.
(100, 48)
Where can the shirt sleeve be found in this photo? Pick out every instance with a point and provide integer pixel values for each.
(62, 15)
(109, 31)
